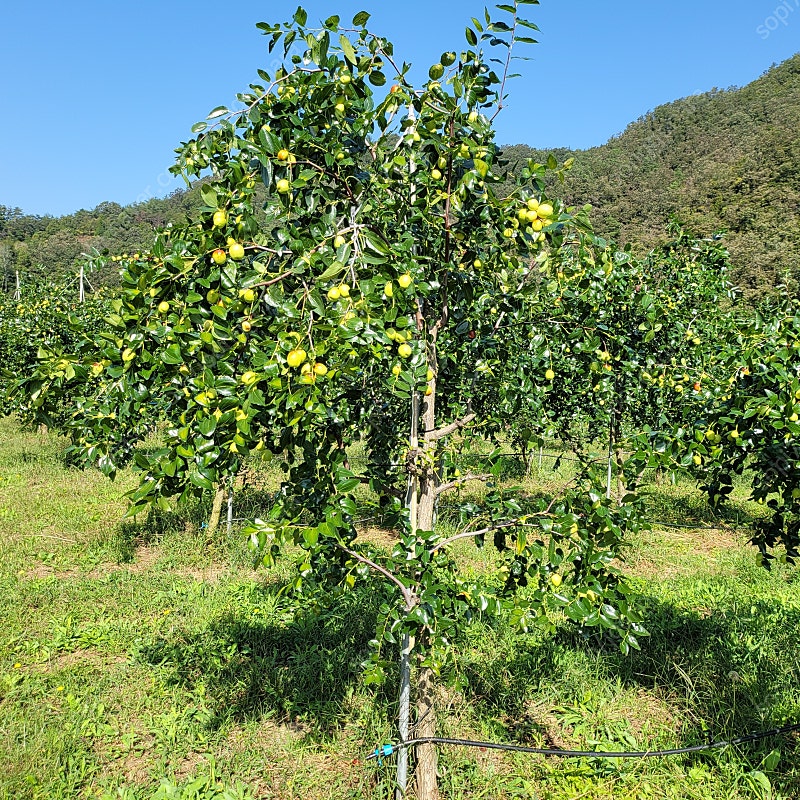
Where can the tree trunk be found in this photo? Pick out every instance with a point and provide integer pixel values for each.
(216, 511)
(425, 773)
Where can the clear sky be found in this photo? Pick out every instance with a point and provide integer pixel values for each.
(96, 95)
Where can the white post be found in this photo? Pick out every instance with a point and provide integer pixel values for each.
(230, 507)
(17, 292)
(81, 294)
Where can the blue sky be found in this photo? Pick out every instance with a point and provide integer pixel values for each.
(96, 95)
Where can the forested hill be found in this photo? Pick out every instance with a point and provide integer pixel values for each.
(725, 160)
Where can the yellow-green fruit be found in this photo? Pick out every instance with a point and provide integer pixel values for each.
(247, 326)
(396, 369)
(448, 58)
(294, 358)
(320, 368)
(429, 376)
(556, 579)
(698, 459)
(236, 251)
(248, 378)
(163, 307)
(339, 108)
(545, 210)
(404, 350)
(212, 295)
(477, 263)
(792, 418)
(339, 241)
(436, 72)
(248, 295)
(219, 256)
(283, 186)
(220, 218)
(344, 290)
(283, 155)
(441, 162)
(334, 294)
(549, 375)
(532, 204)
(388, 290)
(435, 174)
(405, 280)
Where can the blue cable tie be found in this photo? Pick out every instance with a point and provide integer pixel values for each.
(383, 751)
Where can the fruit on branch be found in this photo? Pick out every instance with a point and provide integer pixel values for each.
(236, 251)
(220, 218)
(296, 357)
(219, 257)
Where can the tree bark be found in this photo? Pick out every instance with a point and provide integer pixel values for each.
(425, 773)
(216, 512)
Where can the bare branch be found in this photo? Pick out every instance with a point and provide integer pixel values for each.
(512, 523)
(446, 487)
(447, 430)
(409, 598)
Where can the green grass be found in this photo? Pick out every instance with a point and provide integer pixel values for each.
(143, 661)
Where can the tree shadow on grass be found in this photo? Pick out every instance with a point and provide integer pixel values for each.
(725, 671)
(277, 662)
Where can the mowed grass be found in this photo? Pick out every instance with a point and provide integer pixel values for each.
(143, 660)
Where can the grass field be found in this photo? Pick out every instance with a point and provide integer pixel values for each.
(144, 661)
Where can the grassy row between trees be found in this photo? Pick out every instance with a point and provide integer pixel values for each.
(144, 660)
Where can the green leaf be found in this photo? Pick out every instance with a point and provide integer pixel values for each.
(208, 425)
(172, 355)
(472, 37)
(361, 18)
(199, 127)
(209, 195)
(336, 268)
(200, 480)
(347, 49)
(377, 78)
(300, 16)
(218, 112)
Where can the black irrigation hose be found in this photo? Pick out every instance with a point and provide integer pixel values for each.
(388, 749)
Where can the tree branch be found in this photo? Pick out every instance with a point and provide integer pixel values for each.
(446, 487)
(513, 523)
(440, 433)
(409, 598)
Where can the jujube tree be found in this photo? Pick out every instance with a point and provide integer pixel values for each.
(343, 310)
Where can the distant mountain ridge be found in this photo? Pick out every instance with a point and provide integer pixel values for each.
(725, 160)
